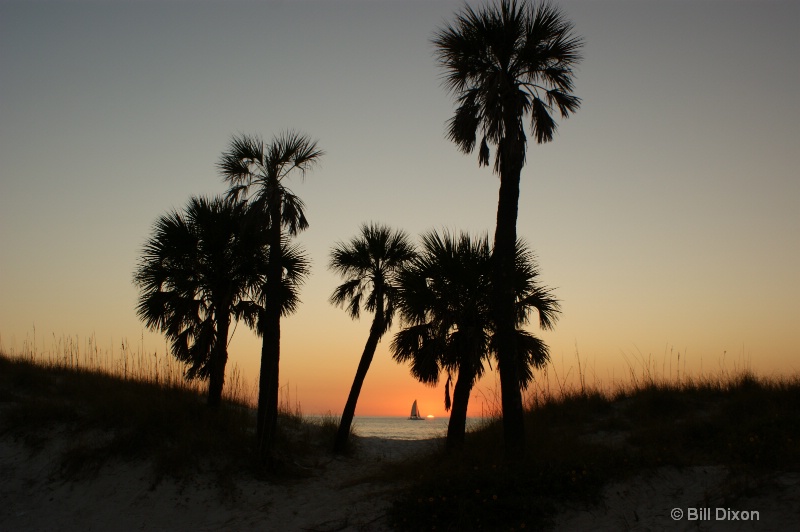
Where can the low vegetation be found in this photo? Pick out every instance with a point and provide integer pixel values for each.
(100, 417)
(579, 442)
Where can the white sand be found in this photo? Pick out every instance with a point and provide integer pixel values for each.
(646, 502)
(343, 494)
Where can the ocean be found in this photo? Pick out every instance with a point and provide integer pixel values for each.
(402, 428)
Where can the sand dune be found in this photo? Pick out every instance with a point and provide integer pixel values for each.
(339, 494)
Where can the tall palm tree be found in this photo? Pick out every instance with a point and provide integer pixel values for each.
(505, 64)
(296, 267)
(195, 273)
(258, 172)
(369, 264)
(445, 301)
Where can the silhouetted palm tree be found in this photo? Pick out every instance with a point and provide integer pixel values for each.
(258, 172)
(505, 64)
(369, 264)
(445, 299)
(296, 267)
(195, 274)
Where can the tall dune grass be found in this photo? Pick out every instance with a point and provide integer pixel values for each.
(128, 387)
(564, 378)
(125, 361)
(583, 433)
(87, 409)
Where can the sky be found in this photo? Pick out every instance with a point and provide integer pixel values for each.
(665, 214)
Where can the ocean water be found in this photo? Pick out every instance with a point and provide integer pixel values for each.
(402, 428)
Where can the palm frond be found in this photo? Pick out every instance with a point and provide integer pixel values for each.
(293, 216)
(503, 62)
(292, 150)
(196, 262)
(242, 160)
(255, 171)
(543, 125)
(348, 295)
(419, 346)
(370, 263)
(445, 302)
(566, 103)
(247, 311)
(483, 156)
(547, 306)
(295, 269)
(462, 128)
(532, 353)
(447, 401)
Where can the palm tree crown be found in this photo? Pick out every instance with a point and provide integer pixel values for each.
(296, 268)
(257, 171)
(445, 299)
(502, 64)
(369, 264)
(196, 272)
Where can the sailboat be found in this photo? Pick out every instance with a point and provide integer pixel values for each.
(414, 412)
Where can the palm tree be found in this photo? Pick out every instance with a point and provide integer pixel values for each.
(296, 267)
(445, 300)
(195, 274)
(369, 263)
(258, 172)
(505, 64)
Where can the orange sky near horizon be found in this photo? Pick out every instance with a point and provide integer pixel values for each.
(317, 370)
(665, 214)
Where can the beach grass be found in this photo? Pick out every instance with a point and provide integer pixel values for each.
(99, 416)
(130, 405)
(581, 440)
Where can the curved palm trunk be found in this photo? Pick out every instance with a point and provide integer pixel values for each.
(219, 358)
(375, 333)
(267, 422)
(505, 238)
(457, 427)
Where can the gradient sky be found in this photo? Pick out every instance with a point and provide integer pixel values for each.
(666, 213)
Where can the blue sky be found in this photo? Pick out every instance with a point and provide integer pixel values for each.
(665, 212)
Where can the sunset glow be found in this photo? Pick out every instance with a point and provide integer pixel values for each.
(664, 214)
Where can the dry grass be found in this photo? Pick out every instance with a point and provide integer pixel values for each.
(582, 438)
(125, 361)
(128, 405)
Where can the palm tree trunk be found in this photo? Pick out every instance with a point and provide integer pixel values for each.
(343, 434)
(268, 386)
(268, 382)
(457, 427)
(216, 378)
(505, 238)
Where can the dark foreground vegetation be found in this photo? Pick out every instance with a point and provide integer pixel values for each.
(103, 418)
(579, 443)
(576, 444)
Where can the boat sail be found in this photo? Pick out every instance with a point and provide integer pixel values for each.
(414, 412)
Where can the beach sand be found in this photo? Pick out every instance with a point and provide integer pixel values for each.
(341, 494)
